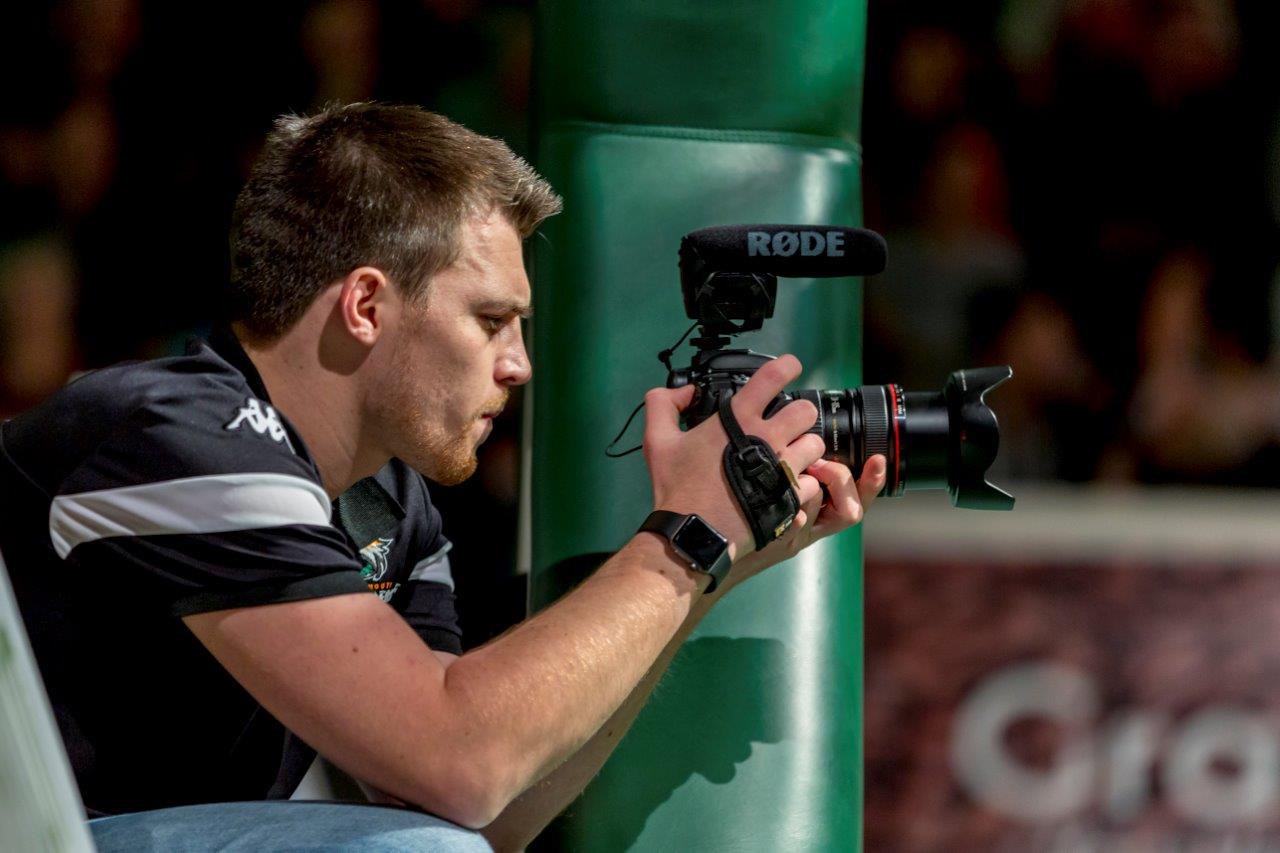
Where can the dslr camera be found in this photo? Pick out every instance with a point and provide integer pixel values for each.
(931, 440)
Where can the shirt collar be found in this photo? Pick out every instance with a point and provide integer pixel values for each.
(224, 342)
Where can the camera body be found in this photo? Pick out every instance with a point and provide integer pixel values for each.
(717, 372)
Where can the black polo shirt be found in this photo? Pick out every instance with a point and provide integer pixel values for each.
(152, 490)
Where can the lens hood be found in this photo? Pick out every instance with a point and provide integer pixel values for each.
(974, 438)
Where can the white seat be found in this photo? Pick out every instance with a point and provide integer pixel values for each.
(40, 807)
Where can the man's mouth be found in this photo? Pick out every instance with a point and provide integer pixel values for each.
(498, 406)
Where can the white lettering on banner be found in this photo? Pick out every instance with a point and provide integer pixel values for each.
(1238, 739)
(1109, 762)
(999, 780)
(1131, 743)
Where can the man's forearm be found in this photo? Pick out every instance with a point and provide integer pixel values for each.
(530, 813)
(540, 691)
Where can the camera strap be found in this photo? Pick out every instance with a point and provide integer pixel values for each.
(764, 485)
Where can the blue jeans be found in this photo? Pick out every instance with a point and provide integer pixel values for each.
(283, 825)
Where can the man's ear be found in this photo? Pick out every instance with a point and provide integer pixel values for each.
(365, 303)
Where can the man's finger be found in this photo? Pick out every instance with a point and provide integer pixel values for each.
(872, 481)
(765, 384)
(803, 452)
(809, 492)
(790, 422)
(813, 507)
(846, 507)
(810, 495)
(662, 408)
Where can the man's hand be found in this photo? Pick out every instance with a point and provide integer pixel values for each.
(848, 502)
(688, 475)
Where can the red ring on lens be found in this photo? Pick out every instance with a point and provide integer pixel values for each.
(895, 448)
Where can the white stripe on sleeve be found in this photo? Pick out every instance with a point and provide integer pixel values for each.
(435, 568)
(210, 504)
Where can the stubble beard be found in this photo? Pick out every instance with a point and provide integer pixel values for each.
(446, 457)
(452, 458)
(428, 448)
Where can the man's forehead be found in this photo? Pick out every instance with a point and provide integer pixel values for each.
(491, 234)
(492, 254)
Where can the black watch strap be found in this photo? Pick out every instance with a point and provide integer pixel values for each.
(705, 549)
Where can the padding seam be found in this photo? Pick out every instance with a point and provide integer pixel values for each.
(761, 137)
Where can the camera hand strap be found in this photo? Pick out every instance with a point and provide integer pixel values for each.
(763, 484)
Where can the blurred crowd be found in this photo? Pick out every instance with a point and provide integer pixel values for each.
(128, 127)
(1088, 190)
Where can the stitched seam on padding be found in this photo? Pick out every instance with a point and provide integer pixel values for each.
(761, 137)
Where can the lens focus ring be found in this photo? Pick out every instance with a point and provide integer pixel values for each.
(875, 420)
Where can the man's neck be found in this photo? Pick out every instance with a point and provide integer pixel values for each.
(322, 406)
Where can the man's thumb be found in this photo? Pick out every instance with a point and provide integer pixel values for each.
(662, 408)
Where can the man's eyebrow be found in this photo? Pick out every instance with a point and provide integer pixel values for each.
(507, 306)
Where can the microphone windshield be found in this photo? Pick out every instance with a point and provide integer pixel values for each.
(789, 251)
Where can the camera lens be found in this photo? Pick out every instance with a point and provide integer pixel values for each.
(943, 440)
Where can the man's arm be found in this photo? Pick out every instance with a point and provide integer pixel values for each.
(349, 677)
(530, 813)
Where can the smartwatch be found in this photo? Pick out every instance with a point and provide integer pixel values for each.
(696, 541)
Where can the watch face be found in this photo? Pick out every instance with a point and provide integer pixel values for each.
(700, 542)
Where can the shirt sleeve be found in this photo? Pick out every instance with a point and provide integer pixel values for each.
(427, 602)
(201, 502)
(426, 598)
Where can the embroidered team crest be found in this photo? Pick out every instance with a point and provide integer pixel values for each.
(375, 568)
(262, 419)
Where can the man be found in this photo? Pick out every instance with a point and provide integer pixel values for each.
(191, 592)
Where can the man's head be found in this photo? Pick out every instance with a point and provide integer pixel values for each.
(366, 185)
(390, 238)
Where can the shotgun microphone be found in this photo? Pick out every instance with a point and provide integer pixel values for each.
(789, 251)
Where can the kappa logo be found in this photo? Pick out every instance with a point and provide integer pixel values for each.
(375, 567)
(262, 419)
(784, 244)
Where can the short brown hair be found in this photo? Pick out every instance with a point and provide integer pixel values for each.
(366, 183)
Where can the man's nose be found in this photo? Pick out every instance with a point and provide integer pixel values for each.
(514, 367)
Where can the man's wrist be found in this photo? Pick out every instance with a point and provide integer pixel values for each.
(655, 553)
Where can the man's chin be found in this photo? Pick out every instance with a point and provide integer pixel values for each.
(447, 462)
(454, 476)
(451, 472)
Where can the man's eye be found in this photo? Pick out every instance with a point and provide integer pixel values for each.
(494, 324)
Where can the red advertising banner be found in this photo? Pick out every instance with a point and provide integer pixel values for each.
(1099, 673)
